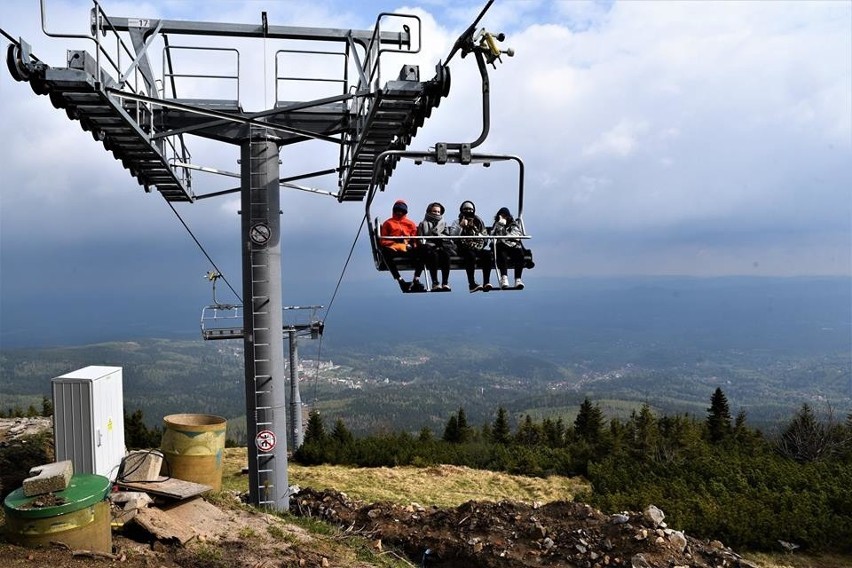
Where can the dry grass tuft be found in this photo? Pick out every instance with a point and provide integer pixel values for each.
(442, 486)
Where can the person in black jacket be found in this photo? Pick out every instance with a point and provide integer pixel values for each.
(436, 252)
(472, 250)
(509, 252)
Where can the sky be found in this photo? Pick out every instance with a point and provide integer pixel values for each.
(659, 138)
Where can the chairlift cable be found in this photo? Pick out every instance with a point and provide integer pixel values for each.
(200, 246)
(331, 302)
(467, 34)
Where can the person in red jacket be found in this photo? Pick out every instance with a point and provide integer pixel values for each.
(399, 225)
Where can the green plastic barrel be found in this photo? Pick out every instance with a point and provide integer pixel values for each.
(78, 516)
(192, 447)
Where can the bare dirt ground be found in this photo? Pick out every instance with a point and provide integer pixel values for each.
(478, 534)
(487, 535)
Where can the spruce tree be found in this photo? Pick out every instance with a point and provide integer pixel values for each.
(451, 430)
(341, 433)
(500, 433)
(315, 432)
(589, 422)
(465, 432)
(718, 417)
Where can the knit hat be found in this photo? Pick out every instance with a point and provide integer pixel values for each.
(400, 205)
(466, 205)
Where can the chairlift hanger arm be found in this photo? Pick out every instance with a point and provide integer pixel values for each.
(459, 157)
(484, 47)
(466, 38)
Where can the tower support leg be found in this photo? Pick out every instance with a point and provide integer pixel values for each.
(266, 423)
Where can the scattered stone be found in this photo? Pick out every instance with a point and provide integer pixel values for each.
(653, 515)
(558, 534)
(48, 478)
(678, 540)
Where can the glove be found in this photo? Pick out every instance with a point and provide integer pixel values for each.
(501, 221)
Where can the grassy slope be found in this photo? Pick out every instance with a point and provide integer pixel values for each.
(450, 486)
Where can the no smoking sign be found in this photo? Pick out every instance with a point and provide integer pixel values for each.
(265, 440)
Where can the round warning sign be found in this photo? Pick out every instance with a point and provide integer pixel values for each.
(265, 440)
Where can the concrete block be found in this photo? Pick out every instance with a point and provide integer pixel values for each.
(131, 499)
(48, 478)
(142, 465)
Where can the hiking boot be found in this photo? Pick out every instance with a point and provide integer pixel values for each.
(416, 286)
(403, 285)
(504, 282)
(518, 284)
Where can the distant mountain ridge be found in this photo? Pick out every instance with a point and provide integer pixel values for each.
(771, 344)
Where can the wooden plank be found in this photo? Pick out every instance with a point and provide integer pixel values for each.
(167, 487)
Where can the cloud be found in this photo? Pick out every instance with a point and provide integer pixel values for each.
(665, 137)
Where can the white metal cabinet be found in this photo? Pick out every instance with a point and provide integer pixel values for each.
(88, 419)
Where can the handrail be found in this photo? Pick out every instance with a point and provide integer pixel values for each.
(279, 78)
(171, 75)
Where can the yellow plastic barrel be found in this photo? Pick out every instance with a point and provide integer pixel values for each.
(192, 447)
(77, 516)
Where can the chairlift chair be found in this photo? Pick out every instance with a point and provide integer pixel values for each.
(444, 154)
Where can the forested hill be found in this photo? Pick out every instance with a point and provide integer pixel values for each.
(771, 344)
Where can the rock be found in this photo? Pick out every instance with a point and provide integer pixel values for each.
(653, 515)
(678, 540)
(619, 519)
(639, 561)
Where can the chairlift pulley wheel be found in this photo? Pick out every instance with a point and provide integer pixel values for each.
(15, 64)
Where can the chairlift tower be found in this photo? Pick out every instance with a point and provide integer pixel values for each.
(114, 93)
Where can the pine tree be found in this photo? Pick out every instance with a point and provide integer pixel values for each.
(529, 434)
(645, 432)
(805, 439)
(465, 432)
(137, 435)
(589, 422)
(500, 433)
(425, 435)
(451, 430)
(315, 432)
(718, 417)
(341, 434)
(46, 406)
